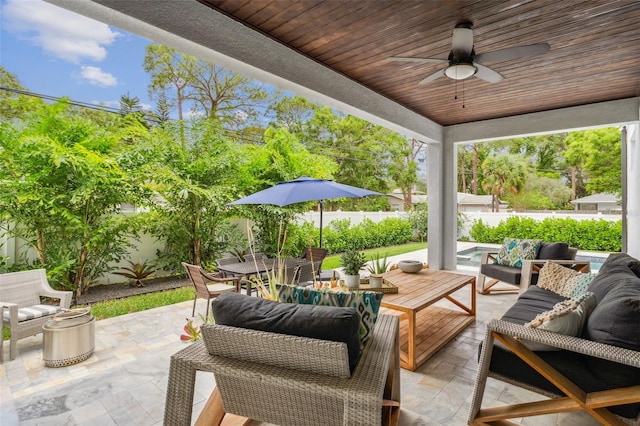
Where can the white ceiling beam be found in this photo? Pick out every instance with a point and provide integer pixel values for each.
(601, 114)
(195, 29)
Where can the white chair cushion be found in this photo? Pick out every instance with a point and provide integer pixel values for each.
(32, 312)
(219, 288)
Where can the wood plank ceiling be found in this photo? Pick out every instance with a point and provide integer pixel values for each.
(594, 56)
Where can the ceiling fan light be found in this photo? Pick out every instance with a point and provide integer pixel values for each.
(460, 71)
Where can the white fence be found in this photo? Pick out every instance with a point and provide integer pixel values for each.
(146, 249)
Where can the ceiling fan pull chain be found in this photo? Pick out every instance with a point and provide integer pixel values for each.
(463, 94)
(455, 95)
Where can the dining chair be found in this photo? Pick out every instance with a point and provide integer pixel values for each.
(199, 279)
(315, 255)
(306, 274)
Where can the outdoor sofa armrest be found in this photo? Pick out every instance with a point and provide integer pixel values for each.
(529, 266)
(64, 296)
(13, 312)
(510, 333)
(488, 257)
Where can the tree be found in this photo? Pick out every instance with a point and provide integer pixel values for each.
(597, 154)
(210, 90)
(12, 102)
(62, 193)
(503, 173)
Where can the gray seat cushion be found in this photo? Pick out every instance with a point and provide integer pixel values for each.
(507, 274)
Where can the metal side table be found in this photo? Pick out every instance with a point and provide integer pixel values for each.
(69, 338)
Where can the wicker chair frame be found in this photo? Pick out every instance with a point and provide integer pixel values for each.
(20, 290)
(288, 380)
(574, 398)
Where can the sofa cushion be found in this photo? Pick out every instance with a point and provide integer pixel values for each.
(609, 279)
(531, 303)
(581, 284)
(366, 303)
(332, 323)
(514, 251)
(558, 251)
(32, 312)
(616, 319)
(567, 317)
(507, 274)
(623, 260)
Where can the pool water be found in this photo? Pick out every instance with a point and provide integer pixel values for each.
(473, 255)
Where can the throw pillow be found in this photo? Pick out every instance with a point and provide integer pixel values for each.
(555, 277)
(581, 284)
(615, 320)
(319, 322)
(366, 303)
(514, 251)
(567, 317)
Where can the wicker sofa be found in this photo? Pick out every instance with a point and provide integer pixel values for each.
(597, 371)
(286, 379)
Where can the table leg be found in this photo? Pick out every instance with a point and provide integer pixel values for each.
(411, 348)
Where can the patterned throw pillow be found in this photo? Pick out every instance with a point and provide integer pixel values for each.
(567, 317)
(558, 279)
(581, 284)
(564, 281)
(367, 303)
(514, 251)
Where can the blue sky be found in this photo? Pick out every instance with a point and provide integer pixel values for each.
(58, 53)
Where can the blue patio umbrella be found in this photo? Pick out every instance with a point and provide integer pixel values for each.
(305, 189)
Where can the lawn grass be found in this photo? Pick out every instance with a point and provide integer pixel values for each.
(128, 305)
(332, 262)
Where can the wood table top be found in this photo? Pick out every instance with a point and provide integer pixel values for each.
(419, 290)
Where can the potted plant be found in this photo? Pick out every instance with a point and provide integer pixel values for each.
(377, 267)
(352, 261)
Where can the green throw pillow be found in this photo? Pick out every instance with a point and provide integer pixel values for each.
(366, 303)
(514, 251)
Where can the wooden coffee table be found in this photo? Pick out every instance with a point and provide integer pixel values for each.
(424, 328)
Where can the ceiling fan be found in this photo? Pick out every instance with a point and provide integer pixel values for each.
(463, 61)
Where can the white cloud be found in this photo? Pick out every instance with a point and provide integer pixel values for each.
(59, 32)
(97, 77)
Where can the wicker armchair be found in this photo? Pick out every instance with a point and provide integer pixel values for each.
(288, 380)
(22, 310)
(570, 396)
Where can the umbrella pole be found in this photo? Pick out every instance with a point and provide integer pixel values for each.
(321, 223)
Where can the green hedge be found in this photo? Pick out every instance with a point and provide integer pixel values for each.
(341, 235)
(593, 235)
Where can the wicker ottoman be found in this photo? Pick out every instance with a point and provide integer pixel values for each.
(69, 338)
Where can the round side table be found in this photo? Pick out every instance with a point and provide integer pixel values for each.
(69, 338)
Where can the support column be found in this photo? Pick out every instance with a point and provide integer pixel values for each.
(443, 207)
(631, 190)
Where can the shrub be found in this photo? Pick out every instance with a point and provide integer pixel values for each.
(594, 235)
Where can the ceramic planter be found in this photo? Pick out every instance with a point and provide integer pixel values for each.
(352, 281)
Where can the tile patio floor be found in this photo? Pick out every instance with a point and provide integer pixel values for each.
(124, 382)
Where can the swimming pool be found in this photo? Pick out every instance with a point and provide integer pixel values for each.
(473, 255)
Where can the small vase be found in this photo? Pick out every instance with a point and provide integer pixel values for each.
(375, 280)
(352, 281)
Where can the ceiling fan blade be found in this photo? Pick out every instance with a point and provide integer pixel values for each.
(417, 60)
(431, 77)
(487, 74)
(512, 53)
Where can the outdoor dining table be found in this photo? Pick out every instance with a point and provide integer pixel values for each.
(251, 268)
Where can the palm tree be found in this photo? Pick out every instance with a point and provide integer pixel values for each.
(503, 173)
